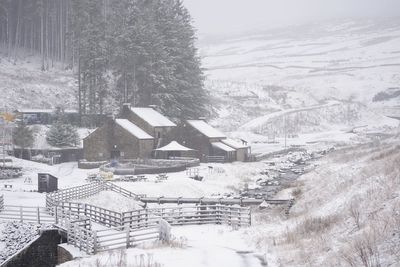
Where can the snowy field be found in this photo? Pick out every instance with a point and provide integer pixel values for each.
(195, 246)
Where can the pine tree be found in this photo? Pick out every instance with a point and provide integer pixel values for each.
(62, 135)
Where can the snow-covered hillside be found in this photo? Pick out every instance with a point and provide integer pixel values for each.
(355, 63)
(338, 59)
(23, 84)
(346, 212)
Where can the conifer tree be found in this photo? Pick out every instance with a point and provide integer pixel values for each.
(61, 133)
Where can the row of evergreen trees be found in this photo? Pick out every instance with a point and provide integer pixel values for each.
(137, 51)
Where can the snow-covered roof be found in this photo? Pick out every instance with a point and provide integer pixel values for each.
(174, 146)
(223, 147)
(153, 117)
(206, 129)
(232, 143)
(133, 129)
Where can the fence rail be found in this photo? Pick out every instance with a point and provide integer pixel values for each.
(123, 237)
(211, 201)
(85, 191)
(215, 159)
(189, 215)
(42, 215)
(103, 216)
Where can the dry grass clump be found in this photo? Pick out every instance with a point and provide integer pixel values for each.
(297, 192)
(309, 227)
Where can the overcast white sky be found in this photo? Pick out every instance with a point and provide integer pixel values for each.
(234, 16)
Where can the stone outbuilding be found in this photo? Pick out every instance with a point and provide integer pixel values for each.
(118, 139)
(210, 143)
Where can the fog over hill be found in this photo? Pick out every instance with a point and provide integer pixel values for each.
(299, 66)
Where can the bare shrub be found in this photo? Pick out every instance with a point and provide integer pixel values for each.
(363, 251)
(386, 153)
(297, 192)
(316, 224)
(117, 258)
(355, 212)
(175, 242)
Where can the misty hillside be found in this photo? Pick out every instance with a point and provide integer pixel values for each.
(297, 67)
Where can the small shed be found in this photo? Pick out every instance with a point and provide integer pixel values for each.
(242, 149)
(47, 183)
(174, 149)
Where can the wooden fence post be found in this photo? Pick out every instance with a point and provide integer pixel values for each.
(127, 236)
(94, 242)
(21, 214)
(38, 215)
(56, 214)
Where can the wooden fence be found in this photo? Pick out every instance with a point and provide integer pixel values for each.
(123, 237)
(96, 214)
(77, 192)
(213, 201)
(188, 215)
(59, 217)
(182, 215)
(85, 191)
(26, 214)
(215, 159)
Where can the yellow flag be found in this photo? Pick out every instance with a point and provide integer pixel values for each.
(8, 116)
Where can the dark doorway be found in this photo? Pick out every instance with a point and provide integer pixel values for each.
(115, 154)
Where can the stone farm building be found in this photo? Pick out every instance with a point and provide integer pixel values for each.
(145, 133)
(211, 143)
(120, 139)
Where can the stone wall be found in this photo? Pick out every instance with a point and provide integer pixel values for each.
(129, 146)
(96, 146)
(192, 138)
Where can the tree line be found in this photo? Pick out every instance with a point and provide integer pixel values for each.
(122, 51)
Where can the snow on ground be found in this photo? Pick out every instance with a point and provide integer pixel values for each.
(223, 178)
(112, 201)
(22, 191)
(195, 246)
(24, 85)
